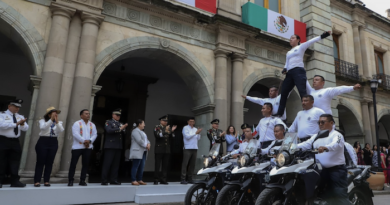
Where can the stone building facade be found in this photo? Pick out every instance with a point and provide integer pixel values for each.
(156, 57)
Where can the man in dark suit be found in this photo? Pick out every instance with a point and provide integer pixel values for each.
(162, 132)
(112, 148)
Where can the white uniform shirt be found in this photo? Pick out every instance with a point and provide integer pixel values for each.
(83, 133)
(266, 150)
(335, 144)
(190, 137)
(294, 57)
(274, 101)
(243, 146)
(306, 122)
(323, 97)
(7, 124)
(265, 128)
(351, 152)
(46, 128)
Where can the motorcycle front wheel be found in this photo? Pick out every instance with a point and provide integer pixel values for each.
(270, 196)
(196, 195)
(229, 195)
(357, 197)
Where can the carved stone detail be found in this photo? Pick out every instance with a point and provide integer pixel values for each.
(133, 15)
(211, 38)
(155, 21)
(257, 51)
(232, 40)
(194, 32)
(278, 73)
(109, 8)
(175, 27)
(270, 54)
(165, 43)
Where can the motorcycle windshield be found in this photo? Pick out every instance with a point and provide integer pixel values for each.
(214, 151)
(251, 148)
(290, 143)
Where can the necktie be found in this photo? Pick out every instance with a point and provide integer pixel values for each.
(52, 133)
(16, 129)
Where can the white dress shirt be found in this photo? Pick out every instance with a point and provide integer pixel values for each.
(294, 57)
(265, 128)
(46, 128)
(274, 101)
(7, 124)
(190, 137)
(83, 133)
(323, 97)
(351, 152)
(335, 144)
(306, 122)
(271, 146)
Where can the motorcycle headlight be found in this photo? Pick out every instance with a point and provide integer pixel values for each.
(282, 159)
(206, 161)
(243, 160)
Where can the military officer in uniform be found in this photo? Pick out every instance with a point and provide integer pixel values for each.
(216, 135)
(11, 125)
(113, 148)
(162, 132)
(243, 127)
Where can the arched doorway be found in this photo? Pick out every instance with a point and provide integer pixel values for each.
(260, 89)
(149, 79)
(384, 130)
(349, 123)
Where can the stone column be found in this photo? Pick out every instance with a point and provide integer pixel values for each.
(358, 50)
(50, 88)
(220, 94)
(365, 52)
(82, 84)
(237, 114)
(386, 61)
(95, 89)
(372, 122)
(366, 122)
(36, 81)
(72, 50)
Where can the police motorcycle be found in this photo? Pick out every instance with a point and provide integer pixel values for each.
(218, 169)
(296, 178)
(254, 176)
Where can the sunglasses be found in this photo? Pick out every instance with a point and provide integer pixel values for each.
(322, 122)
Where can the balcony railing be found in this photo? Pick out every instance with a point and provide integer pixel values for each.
(385, 80)
(346, 70)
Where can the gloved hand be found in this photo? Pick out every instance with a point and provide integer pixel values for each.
(284, 71)
(325, 34)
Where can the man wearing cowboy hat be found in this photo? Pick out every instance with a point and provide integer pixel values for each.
(114, 131)
(11, 124)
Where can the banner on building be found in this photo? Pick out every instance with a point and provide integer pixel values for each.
(272, 21)
(206, 5)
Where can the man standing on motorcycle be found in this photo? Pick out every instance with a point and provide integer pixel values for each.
(265, 128)
(305, 124)
(331, 157)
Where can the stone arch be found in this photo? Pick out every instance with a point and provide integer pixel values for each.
(348, 105)
(259, 74)
(201, 83)
(28, 38)
(383, 112)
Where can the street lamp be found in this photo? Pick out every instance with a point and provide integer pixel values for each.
(374, 86)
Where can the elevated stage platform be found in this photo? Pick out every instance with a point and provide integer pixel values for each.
(61, 194)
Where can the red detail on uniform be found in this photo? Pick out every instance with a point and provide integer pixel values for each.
(300, 29)
(254, 133)
(207, 5)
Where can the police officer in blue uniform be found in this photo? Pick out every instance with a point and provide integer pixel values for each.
(163, 134)
(113, 148)
(11, 125)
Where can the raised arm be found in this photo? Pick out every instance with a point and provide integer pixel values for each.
(59, 127)
(256, 100)
(339, 90)
(187, 134)
(45, 125)
(294, 125)
(309, 89)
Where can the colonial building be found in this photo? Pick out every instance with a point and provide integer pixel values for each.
(182, 58)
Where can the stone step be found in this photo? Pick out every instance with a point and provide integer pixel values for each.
(159, 198)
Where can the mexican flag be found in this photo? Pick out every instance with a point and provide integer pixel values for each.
(272, 22)
(207, 5)
(254, 131)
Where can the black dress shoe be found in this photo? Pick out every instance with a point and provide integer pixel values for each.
(115, 183)
(18, 184)
(82, 183)
(104, 183)
(155, 182)
(70, 183)
(46, 184)
(164, 182)
(183, 182)
(1, 186)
